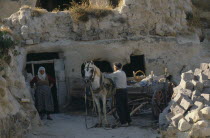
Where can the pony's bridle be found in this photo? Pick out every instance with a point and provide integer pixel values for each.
(91, 78)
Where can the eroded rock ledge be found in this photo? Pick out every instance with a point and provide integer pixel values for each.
(133, 18)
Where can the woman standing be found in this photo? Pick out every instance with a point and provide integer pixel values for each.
(43, 95)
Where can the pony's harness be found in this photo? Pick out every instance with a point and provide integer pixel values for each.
(92, 78)
(101, 86)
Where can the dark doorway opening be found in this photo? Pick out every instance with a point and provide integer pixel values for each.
(49, 67)
(42, 56)
(104, 66)
(136, 63)
(53, 4)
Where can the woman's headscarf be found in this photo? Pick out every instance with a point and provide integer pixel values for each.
(42, 76)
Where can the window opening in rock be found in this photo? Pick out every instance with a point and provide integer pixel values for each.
(36, 60)
(50, 5)
(136, 63)
(202, 38)
(115, 3)
(104, 66)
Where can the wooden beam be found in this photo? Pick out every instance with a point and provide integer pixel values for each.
(40, 62)
(32, 65)
(137, 108)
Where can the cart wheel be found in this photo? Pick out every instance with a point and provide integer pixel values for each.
(158, 103)
(114, 114)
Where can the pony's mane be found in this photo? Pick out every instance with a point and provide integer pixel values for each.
(98, 72)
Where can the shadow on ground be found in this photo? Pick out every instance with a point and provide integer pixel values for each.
(73, 126)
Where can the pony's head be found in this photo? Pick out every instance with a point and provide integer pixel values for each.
(89, 71)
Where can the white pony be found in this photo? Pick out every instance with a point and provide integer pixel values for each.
(101, 88)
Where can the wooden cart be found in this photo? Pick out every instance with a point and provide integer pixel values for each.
(154, 96)
(157, 95)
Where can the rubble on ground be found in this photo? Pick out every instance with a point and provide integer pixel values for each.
(188, 113)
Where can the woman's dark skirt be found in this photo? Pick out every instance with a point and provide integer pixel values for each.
(43, 99)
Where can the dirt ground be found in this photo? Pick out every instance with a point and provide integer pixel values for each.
(73, 126)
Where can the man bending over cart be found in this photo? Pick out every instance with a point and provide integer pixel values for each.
(121, 97)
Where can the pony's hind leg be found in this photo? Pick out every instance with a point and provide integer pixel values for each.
(104, 110)
(99, 110)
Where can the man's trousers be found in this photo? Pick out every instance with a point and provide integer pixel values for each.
(121, 98)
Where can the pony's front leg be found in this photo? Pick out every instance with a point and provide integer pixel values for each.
(104, 109)
(99, 110)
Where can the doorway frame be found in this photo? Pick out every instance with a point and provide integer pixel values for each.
(38, 62)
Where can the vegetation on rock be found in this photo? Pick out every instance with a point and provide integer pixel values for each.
(6, 43)
(82, 12)
(35, 11)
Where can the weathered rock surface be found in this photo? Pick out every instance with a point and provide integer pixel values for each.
(133, 18)
(176, 119)
(197, 85)
(206, 112)
(186, 102)
(16, 117)
(102, 3)
(183, 125)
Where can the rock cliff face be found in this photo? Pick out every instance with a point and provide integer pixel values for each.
(151, 28)
(17, 111)
(132, 18)
(146, 22)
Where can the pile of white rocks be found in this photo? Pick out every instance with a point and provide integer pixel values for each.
(188, 113)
